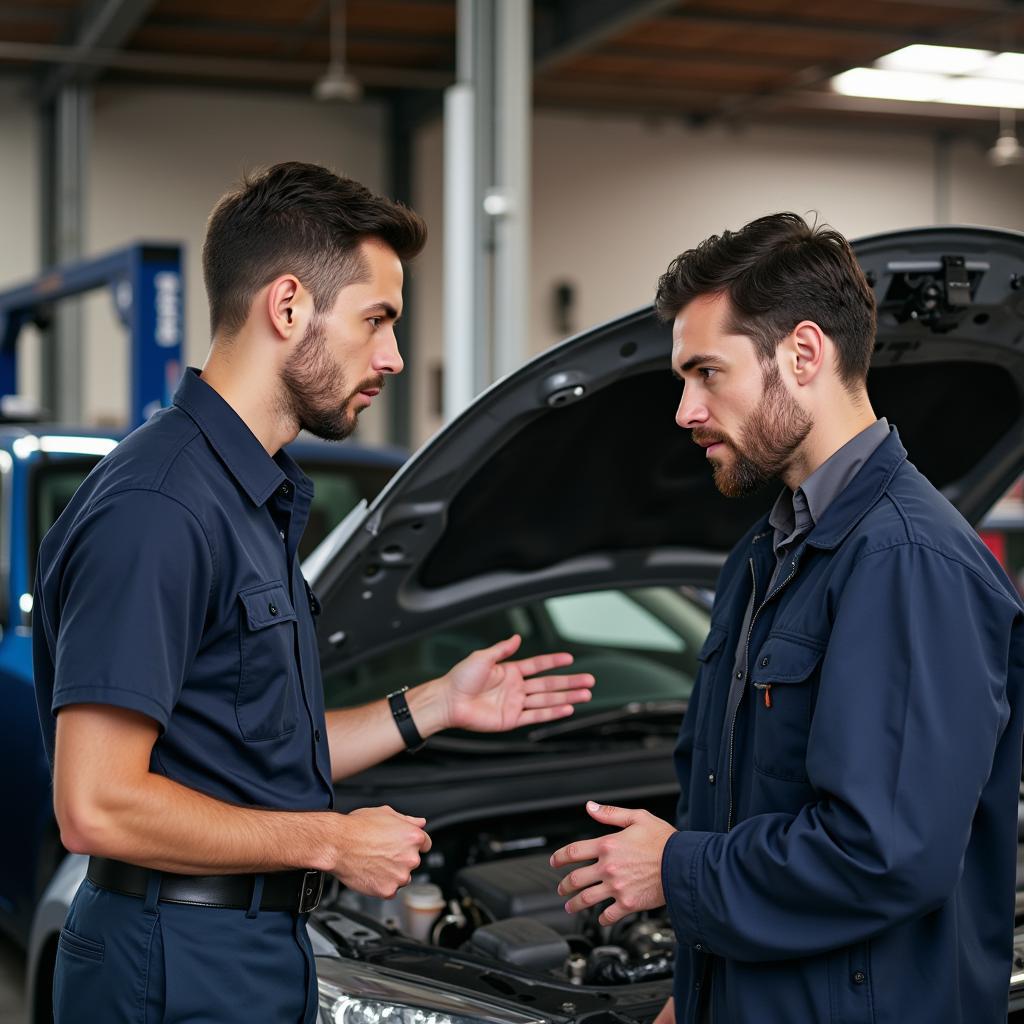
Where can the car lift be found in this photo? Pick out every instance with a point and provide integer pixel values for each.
(146, 282)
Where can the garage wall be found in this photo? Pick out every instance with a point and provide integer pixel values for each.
(614, 199)
(159, 160)
(162, 158)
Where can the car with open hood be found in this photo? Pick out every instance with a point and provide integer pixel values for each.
(566, 505)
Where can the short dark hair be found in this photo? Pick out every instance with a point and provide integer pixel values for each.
(776, 271)
(301, 219)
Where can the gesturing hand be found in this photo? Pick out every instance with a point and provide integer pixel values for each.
(378, 849)
(485, 693)
(628, 868)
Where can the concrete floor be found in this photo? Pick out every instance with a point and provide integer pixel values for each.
(12, 983)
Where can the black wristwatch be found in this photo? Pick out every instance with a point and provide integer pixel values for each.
(403, 719)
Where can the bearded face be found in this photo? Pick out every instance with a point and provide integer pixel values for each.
(316, 391)
(768, 439)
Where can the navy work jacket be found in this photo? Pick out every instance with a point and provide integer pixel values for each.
(170, 585)
(848, 830)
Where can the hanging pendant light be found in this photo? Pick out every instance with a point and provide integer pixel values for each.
(336, 83)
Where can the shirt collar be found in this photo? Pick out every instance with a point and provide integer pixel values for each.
(247, 460)
(796, 512)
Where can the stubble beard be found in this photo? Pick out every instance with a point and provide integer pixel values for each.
(315, 392)
(769, 439)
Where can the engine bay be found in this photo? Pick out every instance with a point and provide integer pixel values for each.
(495, 897)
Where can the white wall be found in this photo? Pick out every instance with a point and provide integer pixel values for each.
(158, 161)
(19, 209)
(614, 199)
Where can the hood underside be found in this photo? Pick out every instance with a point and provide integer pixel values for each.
(571, 474)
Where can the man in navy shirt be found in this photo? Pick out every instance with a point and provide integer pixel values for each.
(175, 652)
(845, 845)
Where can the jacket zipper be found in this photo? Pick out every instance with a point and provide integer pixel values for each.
(736, 710)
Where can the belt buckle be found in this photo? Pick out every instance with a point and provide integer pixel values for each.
(311, 891)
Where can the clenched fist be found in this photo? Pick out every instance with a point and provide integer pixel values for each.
(378, 850)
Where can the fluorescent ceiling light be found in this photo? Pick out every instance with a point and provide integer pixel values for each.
(889, 85)
(946, 60)
(984, 92)
(940, 74)
(1008, 66)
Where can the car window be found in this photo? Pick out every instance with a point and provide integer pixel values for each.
(338, 488)
(53, 486)
(654, 660)
(610, 618)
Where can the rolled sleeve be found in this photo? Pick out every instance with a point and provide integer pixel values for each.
(134, 590)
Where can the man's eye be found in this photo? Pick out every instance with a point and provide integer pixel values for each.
(707, 372)
(376, 321)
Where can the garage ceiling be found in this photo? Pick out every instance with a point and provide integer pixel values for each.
(733, 60)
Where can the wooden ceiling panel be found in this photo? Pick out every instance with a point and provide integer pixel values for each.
(696, 73)
(723, 58)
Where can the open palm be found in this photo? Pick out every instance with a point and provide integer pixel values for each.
(487, 693)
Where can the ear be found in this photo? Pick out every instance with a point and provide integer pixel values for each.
(804, 352)
(282, 305)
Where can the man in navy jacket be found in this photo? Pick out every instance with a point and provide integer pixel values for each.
(845, 848)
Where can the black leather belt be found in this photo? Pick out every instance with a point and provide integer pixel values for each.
(295, 891)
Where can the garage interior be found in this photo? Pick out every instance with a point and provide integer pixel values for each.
(561, 151)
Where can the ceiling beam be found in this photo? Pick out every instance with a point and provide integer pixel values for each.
(575, 26)
(105, 24)
(216, 68)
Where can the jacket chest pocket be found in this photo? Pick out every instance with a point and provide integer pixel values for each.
(266, 703)
(708, 661)
(783, 677)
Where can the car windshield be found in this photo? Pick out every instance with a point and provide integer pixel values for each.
(640, 643)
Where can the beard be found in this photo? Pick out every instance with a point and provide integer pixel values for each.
(316, 393)
(769, 440)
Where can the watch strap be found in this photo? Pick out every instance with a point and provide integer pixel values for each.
(403, 719)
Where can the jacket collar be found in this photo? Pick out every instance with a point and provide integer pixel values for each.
(246, 459)
(860, 495)
(852, 503)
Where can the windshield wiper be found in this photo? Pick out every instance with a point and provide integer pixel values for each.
(634, 709)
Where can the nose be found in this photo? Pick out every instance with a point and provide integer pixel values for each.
(691, 412)
(387, 358)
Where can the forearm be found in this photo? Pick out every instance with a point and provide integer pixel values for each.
(364, 736)
(158, 823)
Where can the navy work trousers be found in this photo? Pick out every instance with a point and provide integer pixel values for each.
(126, 960)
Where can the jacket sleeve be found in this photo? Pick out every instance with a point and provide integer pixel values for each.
(911, 705)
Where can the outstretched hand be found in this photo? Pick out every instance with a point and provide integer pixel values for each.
(487, 693)
(625, 868)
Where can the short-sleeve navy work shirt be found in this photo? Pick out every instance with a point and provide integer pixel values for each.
(170, 585)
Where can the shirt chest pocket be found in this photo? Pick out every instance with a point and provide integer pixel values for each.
(784, 677)
(267, 701)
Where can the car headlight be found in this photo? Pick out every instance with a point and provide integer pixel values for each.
(353, 993)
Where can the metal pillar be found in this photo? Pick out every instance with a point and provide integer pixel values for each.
(512, 185)
(486, 167)
(62, 355)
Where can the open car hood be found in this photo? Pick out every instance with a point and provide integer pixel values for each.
(570, 474)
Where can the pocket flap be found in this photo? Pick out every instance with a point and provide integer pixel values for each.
(782, 660)
(716, 637)
(267, 605)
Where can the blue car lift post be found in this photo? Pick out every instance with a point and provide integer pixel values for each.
(147, 287)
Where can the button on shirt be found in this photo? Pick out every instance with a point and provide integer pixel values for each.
(170, 586)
